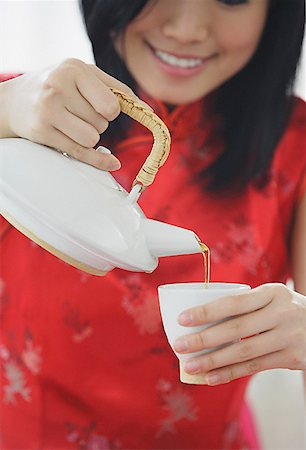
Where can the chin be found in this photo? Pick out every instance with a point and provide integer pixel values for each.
(173, 97)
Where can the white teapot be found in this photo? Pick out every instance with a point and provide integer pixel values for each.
(81, 214)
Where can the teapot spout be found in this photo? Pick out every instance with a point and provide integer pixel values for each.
(168, 240)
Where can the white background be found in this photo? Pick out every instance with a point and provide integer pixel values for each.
(38, 33)
(35, 34)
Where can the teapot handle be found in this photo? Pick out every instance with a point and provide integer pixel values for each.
(161, 145)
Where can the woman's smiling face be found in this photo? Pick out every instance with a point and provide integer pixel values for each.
(180, 50)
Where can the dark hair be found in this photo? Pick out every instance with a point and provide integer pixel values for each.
(254, 105)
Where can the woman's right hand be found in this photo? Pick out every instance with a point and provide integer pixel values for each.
(66, 107)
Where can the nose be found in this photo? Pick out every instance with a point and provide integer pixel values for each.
(189, 22)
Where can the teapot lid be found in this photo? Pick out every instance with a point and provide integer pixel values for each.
(73, 210)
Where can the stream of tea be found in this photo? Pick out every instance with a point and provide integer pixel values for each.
(206, 256)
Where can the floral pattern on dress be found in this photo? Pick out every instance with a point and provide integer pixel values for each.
(178, 404)
(269, 182)
(134, 286)
(233, 435)
(242, 234)
(16, 380)
(31, 356)
(16, 365)
(84, 276)
(240, 244)
(230, 433)
(86, 438)
(81, 329)
(141, 305)
(145, 314)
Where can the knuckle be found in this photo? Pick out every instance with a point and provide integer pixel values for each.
(230, 375)
(200, 341)
(105, 164)
(208, 362)
(202, 314)
(289, 315)
(72, 64)
(252, 367)
(244, 350)
(235, 327)
(125, 88)
(65, 70)
(76, 151)
(91, 139)
(280, 290)
(234, 303)
(296, 360)
(102, 126)
(112, 109)
(101, 164)
(283, 311)
(207, 339)
(51, 88)
(129, 91)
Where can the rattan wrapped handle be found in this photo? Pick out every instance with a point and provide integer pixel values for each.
(161, 144)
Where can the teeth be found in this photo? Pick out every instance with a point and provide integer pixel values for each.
(179, 62)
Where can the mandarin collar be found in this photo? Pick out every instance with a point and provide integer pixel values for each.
(183, 120)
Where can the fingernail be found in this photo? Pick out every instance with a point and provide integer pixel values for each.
(103, 150)
(114, 163)
(185, 318)
(192, 367)
(180, 345)
(213, 379)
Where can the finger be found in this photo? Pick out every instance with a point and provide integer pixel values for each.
(117, 84)
(61, 142)
(80, 107)
(227, 331)
(102, 99)
(76, 129)
(227, 306)
(230, 373)
(244, 350)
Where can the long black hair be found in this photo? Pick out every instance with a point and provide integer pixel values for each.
(254, 105)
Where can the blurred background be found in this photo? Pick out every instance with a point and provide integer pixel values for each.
(35, 34)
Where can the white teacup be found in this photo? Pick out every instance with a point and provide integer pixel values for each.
(176, 298)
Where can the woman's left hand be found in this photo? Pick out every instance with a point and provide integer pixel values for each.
(267, 328)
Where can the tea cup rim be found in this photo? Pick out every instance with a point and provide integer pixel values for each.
(215, 286)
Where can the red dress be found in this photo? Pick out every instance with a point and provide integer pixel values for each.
(85, 363)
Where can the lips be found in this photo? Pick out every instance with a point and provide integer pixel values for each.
(178, 64)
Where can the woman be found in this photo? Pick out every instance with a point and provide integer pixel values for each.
(85, 362)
